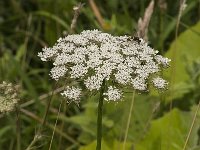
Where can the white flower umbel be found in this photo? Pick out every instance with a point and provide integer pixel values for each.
(72, 93)
(8, 97)
(159, 83)
(161, 60)
(95, 57)
(57, 72)
(113, 94)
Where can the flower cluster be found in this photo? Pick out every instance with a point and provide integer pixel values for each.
(8, 97)
(94, 57)
(113, 94)
(72, 94)
(159, 83)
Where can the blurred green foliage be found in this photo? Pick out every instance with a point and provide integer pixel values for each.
(28, 25)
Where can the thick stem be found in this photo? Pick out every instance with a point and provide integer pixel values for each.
(99, 117)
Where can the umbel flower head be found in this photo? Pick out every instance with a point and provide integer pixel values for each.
(95, 57)
(8, 97)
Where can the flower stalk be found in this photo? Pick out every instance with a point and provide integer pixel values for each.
(18, 128)
(129, 120)
(99, 117)
(99, 59)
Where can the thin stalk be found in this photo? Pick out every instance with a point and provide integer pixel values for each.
(146, 126)
(174, 54)
(62, 125)
(26, 44)
(77, 10)
(11, 144)
(55, 125)
(191, 127)
(35, 139)
(174, 57)
(18, 129)
(99, 117)
(38, 133)
(42, 97)
(48, 106)
(129, 120)
(160, 31)
(33, 116)
(61, 128)
(97, 13)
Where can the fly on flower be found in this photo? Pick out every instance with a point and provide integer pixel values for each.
(136, 38)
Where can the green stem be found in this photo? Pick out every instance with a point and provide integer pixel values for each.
(99, 117)
(55, 125)
(61, 128)
(18, 128)
(39, 132)
(48, 106)
(129, 120)
(35, 139)
(191, 127)
(174, 65)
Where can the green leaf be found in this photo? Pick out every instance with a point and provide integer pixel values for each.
(186, 46)
(115, 118)
(183, 52)
(4, 130)
(172, 24)
(105, 146)
(113, 21)
(169, 132)
(20, 52)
